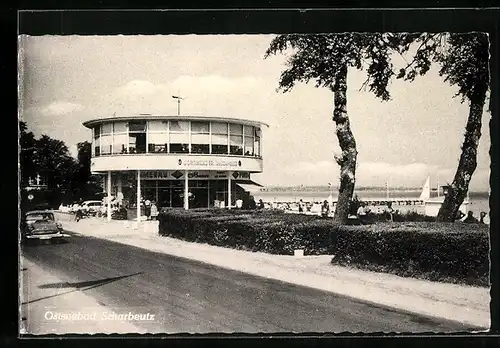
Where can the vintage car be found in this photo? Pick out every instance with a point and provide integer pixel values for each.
(91, 208)
(40, 224)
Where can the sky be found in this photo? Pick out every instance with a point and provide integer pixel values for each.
(66, 80)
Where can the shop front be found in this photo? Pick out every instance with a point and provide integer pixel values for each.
(167, 189)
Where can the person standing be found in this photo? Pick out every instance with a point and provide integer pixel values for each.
(78, 214)
(389, 212)
(325, 209)
(251, 204)
(239, 203)
(362, 213)
(484, 218)
(470, 219)
(301, 206)
(119, 199)
(147, 208)
(154, 211)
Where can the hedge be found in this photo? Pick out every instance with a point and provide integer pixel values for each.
(452, 252)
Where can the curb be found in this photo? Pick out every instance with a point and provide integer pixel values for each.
(323, 282)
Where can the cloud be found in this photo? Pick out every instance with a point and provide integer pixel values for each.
(60, 108)
(203, 95)
(137, 87)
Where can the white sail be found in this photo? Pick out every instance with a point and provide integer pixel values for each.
(426, 190)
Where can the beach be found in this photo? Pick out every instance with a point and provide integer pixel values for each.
(479, 201)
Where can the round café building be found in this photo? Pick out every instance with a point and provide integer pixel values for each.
(176, 161)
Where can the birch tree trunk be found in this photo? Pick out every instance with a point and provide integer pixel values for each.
(468, 159)
(347, 160)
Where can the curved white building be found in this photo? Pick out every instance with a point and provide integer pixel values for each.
(176, 161)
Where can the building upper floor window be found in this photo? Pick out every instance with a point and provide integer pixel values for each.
(97, 132)
(176, 136)
(137, 126)
(220, 138)
(236, 139)
(200, 137)
(179, 127)
(248, 140)
(107, 128)
(119, 127)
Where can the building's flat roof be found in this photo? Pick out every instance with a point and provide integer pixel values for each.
(94, 122)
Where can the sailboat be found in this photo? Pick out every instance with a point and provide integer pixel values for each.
(432, 205)
(426, 190)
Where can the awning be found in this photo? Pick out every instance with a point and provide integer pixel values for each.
(250, 186)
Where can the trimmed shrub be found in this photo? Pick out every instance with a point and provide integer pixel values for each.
(452, 252)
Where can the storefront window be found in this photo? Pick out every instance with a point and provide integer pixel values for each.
(219, 138)
(179, 137)
(137, 136)
(200, 137)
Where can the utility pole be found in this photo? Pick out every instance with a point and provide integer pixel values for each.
(178, 97)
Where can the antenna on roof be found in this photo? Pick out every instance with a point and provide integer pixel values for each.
(179, 98)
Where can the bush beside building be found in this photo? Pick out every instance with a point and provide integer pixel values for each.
(451, 252)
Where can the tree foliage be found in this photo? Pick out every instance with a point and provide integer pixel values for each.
(66, 177)
(464, 63)
(463, 59)
(326, 59)
(319, 57)
(27, 147)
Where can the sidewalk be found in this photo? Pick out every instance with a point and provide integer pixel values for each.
(461, 303)
(40, 302)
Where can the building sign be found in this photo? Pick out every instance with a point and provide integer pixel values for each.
(155, 175)
(195, 175)
(198, 175)
(220, 175)
(177, 174)
(244, 175)
(225, 163)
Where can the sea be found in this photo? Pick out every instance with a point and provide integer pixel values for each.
(479, 201)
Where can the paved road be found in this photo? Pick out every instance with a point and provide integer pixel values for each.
(189, 296)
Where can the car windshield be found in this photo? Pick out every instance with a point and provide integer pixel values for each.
(40, 216)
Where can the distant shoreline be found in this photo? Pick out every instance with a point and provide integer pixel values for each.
(284, 189)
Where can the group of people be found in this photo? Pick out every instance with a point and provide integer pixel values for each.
(471, 219)
(150, 209)
(248, 202)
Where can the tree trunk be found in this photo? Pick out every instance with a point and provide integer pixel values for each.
(468, 159)
(347, 160)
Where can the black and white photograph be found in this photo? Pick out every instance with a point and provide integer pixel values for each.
(260, 183)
